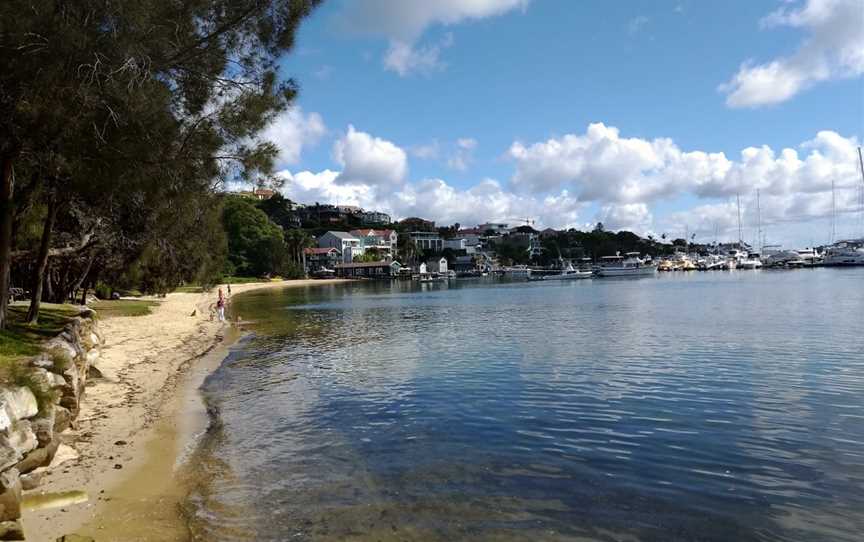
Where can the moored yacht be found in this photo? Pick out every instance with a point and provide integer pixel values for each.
(751, 261)
(569, 273)
(629, 265)
(810, 256)
(843, 253)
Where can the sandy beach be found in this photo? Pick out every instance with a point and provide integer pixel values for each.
(136, 423)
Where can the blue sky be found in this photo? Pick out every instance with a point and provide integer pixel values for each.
(474, 110)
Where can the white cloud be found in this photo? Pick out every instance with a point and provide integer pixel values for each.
(434, 199)
(404, 58)
(577, 180)
(404, 21)
(635, 217)
(602, 166)
(292, 131)
(467, 143)
(428, 151)
(833, 49)
(368, 160)
(462, 157)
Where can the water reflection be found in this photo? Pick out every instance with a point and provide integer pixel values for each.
(701, 407)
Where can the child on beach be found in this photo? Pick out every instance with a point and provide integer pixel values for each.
(220, 306)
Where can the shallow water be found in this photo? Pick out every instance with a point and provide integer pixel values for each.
(708, 406)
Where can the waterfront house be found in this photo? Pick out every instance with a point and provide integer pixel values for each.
(464, 264)
(467, 244)
(371, 270)
(318, 259)
(427, 240)
(381, 241)
(347, 245)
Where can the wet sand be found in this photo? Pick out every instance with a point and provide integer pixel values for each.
(137, 423)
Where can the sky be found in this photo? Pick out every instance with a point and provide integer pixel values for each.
(656, 117)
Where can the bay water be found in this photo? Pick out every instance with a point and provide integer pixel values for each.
(701, 406)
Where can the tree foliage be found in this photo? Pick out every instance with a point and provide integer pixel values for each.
(128, 116)
(256, 246)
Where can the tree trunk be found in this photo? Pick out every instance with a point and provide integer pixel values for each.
(42, 261)
(6, 205)
(81, 280)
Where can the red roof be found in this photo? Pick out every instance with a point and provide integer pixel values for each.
(319, 250)
(371, 233)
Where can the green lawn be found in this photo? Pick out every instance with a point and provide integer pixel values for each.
(197, 289)
(123, 307)
(19, 340)
(245, 280)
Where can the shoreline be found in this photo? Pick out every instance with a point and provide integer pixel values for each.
(139, 421)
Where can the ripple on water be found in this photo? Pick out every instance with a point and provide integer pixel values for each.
(712, 407)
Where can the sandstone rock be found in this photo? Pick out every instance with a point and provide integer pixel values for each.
(42, 361)
(16, 404)
(39, 457)
(10, 498)
(62, 419)
(63, 454)
(11, 530)
(93, 356)
(93, 372)
(32, 480)
(15, 442)
(43, 424)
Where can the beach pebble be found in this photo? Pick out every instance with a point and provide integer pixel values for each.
(120, 443)
(118, 466)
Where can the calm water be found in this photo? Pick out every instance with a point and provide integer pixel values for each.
(708, 406)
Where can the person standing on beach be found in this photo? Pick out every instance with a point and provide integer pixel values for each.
(229, 288)
(220, 306)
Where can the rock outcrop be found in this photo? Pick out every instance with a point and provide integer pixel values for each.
(42, 401)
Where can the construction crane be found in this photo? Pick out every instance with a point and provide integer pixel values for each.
(527, 220)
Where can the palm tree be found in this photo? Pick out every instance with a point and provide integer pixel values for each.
(409, 252)
(297, 241)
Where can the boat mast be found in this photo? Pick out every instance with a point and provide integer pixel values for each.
(833, 212)
(740, 233)
(758, 223)
(861, 206)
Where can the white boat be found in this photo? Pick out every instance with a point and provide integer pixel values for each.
(568, 274)
(629, 265)
(751, 261)
(518, 272)
(810, 256)
(843, 254)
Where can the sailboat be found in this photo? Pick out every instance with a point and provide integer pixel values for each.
(844, 253)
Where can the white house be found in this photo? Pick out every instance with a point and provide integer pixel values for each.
(382, 241)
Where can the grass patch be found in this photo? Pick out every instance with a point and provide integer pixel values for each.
(19, 340)
(193, 288)
(190, 289)
(243, 280)
(123, 307)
